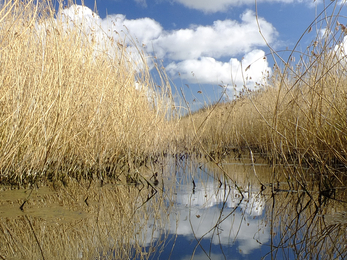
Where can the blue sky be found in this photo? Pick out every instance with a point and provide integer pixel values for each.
(201, 42)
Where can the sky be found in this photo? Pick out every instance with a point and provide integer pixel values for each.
(206, 46)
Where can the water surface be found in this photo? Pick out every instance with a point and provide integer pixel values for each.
(194, 210)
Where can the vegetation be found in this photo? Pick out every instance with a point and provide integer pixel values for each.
(72, 104)
(298, 118)
(79, 106)
(77, 103)
(300, 229)
(303, 224)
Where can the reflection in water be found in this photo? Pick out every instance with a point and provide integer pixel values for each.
(221, 214)
(195, 212)
(211, 219)
(209, 208)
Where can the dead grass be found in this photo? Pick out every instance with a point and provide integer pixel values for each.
(67, 103)
(300, 117)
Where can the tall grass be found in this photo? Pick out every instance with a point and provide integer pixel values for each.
(299, 117)
(71, 102)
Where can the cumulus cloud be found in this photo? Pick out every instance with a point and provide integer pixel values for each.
(78, 13)
(194, 52)
(113, 26)
(209, 6)
(221, 39)
(204, 70)
(144, 30)
(105, 33)
(252, 69)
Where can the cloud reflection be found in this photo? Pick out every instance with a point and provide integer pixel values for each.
(218, 214)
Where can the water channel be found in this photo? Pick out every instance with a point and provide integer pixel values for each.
(192, 210)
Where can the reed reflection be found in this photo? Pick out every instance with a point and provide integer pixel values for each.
(208, 206)
(196, 211)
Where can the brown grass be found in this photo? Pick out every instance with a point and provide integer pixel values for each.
(69, 105)
(300, 117)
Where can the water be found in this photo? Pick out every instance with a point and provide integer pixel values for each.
(196, 211)
(213, 220)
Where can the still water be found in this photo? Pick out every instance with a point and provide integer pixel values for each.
(192, 210)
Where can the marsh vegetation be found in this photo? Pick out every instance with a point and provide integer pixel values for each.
(89, 130)
(74, 103)
(297, 118)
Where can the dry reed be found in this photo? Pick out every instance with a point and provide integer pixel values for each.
(298, 118)
(70, 102)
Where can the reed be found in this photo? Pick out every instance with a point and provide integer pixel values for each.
(298, 117)
(70, 102)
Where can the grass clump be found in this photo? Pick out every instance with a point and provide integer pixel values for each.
(72, 101)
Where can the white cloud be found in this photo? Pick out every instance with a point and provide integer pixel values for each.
(207, 70)
(193, 52)
(209, 6)
(144, 29)
(203, 256)
(115, 26)
(339, 53)
(223, 39)
(80, 13)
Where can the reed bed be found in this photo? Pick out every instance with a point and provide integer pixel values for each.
(298, 118)
(73, 102)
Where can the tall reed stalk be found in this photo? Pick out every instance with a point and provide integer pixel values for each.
(71, 102)
(299, 117)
